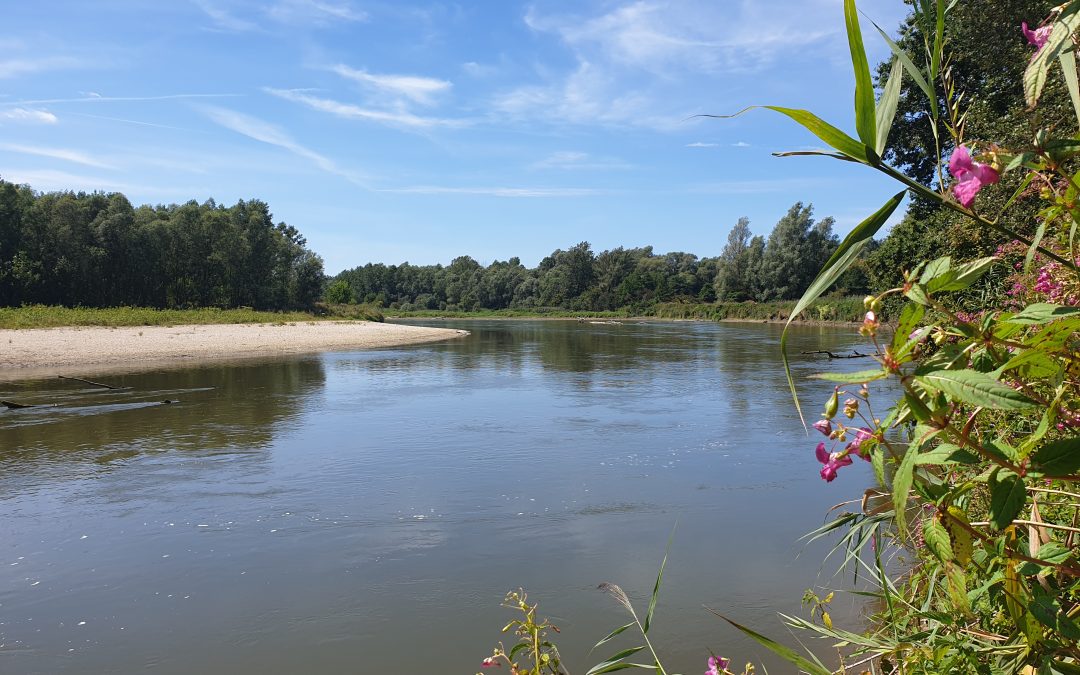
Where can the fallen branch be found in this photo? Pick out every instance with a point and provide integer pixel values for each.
(852, 355)
(96, 384)
(15, 406)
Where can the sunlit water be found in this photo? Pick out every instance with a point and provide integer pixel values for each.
(365, 512)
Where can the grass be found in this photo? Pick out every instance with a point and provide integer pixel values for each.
(42, 316)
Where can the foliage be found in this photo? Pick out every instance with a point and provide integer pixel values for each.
(541, 655)
(97, 250)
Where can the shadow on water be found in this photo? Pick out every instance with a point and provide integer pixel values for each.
(366, 511)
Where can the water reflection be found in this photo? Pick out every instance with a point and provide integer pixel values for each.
(365, 511)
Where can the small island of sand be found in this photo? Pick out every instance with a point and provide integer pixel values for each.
(27, 352)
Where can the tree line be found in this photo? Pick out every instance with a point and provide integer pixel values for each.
(757, 268)
(97, 250)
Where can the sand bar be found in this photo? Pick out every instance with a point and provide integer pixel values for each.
(28, 352)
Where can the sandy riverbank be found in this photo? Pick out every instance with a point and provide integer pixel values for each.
(30, 351)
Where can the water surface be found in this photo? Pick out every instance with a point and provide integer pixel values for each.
(365, 512)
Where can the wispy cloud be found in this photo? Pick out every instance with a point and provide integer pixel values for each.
(127, 121)
(523, 192)
(28, 115)
(699, 144)
(264, 132)
(98, 98)
(740, 144)
(753, 187)
(223, 19)
(15, 67)
(350, 111)
(314, 11)
(415, 88)
(56, 153)
(580, 161)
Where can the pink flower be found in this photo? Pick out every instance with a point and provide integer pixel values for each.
(490, 662)
(717, 665)
(824, 426)
(861, 434)
(970, 176)
(1037, 37)
(832, 462)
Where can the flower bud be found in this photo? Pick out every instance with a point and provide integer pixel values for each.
(868, 302)
(851, 407)
(832, 405)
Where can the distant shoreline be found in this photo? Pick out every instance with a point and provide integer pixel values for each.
(42, 352)
(620, 319)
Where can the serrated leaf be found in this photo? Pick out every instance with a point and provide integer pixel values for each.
(1042, 312)
(1059, 40)
(935, 269)
(917, 294)
(865, 113)
(959, 536)
(1007, 497)
(1059, 458)
(946, 453)
(961, 276)
(910, 317)
(1040, 232)
(901, 485)
(1055, 335)
(857, 377)
(980, 389)
(937, 539)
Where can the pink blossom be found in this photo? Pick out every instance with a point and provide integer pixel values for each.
(824, 426)
(490, 662)
(832, 462)
(861, 434)
(970, 176)
(1037, 37)
(717, 665)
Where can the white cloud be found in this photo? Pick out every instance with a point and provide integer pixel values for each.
(579, 160)
(740, 144)
(415, 88)
(47, 180)
(314, 11)
(223, 19)
(98, 98)
(350, 111)
(478, 70)
(56, 153)
(28, 115)
(753, 187)
(699, 144)
(257, 129)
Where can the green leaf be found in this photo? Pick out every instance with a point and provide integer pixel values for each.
(1059, 458)
(910, 317)
(1042, 312)
(858, 377)
(865, 113)
(935, 269)
(946, 453)
(1007, 497)
(1056, 334)
(912, 70)
(886, 107)
(780, 650)
(917, 294)
(833, 137)
(1032, 363)
(656, 587)
(1068, 68)
(937, 539)
(606, 666)
(962, 276)
(1059, 41)
(611, 636)
(976, 388)
(846, 255)
(1040, 232)
(901, 486)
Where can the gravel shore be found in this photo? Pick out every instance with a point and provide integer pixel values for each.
(23, 352)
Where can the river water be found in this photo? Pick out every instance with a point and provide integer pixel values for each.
(365, 512)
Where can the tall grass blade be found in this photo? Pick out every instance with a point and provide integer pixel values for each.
(865, 115)
(886, 108)
(780, 650)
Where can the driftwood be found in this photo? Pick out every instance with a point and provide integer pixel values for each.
(96, 384)
(15, 406)
(852, 355)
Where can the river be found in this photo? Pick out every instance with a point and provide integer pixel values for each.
(365, 512)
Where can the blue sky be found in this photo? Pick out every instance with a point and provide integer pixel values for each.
(390, 130)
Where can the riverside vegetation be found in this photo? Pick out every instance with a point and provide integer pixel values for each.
(969, 538)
